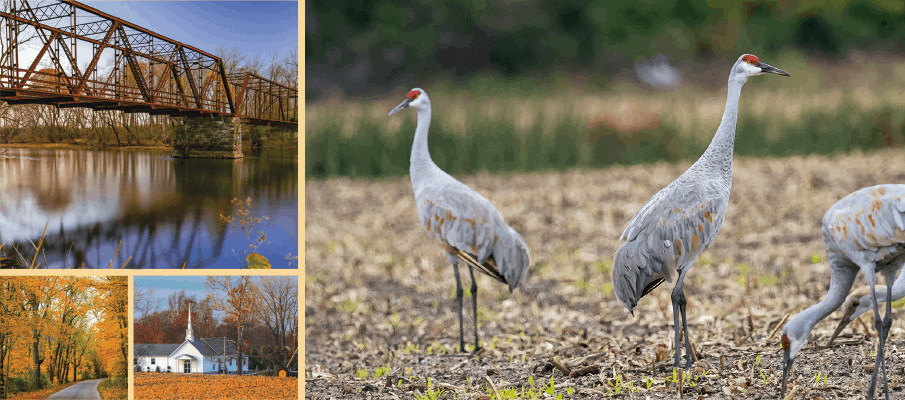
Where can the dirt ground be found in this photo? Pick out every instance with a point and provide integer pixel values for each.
(380, 310)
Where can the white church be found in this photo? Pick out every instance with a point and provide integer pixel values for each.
(207, 356)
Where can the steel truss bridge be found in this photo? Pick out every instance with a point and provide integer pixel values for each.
(150, 73)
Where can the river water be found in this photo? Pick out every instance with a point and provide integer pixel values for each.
(160, 211)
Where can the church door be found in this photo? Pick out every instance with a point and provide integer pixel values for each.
(187, 368)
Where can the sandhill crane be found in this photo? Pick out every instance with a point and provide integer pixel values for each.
(681, 220)
(464, 223)
(864, 231)
(859, 303)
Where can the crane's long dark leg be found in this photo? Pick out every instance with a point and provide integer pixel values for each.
(678, 307)
(887, 324)
(459, 299)
(871, 278)
(689, 356)
(474, 305)
(675, 326)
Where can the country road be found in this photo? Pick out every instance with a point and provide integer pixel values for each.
(86, 390)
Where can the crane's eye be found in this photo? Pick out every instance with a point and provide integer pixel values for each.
(750, 59)
(414, 94)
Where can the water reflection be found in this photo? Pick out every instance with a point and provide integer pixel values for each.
(164, 210)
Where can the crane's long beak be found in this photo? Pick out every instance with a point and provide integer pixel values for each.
(786, 366)
(846, 319)
(404, 104)
(767, 68)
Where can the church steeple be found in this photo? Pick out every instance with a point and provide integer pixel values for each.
(188, 331)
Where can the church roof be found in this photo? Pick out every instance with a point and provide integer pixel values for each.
(155, 349)
(214, 346)
(208, 347)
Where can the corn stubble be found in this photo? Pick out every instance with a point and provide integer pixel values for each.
(379, 293)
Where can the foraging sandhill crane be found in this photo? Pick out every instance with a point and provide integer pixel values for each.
(464, 223)
(681, 220)
(859, 303)
(864, 231)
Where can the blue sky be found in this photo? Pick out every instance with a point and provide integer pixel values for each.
(255, 27)
(164, 286)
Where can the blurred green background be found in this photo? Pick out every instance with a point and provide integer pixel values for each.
(533, 85)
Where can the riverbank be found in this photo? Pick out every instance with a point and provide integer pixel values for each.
(82, 146)
(246, 147)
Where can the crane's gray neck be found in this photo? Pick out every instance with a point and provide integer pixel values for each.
(840, 284)
(420, 154)
(719, 153)
(420, 160)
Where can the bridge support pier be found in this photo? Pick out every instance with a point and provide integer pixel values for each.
(205, 137)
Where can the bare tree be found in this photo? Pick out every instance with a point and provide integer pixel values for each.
(146, 302)
(277, 308)
(291, 71)
(232, 58)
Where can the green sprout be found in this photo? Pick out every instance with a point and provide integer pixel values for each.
(431, 394)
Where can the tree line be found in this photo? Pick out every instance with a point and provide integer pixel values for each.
(362, 46)
(60, 329)
(259, 313)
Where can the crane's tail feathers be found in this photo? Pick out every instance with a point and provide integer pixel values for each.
(506, 259)
(488, 267)
(514, 258)
(633, 275)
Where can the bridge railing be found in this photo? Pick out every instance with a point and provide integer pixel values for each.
(261, 100)
(148, 73)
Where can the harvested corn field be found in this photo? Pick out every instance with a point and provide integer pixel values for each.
(380, 295)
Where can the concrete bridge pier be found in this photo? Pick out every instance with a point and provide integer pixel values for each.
(208, 137)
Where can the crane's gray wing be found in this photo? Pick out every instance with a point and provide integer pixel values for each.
(868, 225)
(469, 227)
(666, 235)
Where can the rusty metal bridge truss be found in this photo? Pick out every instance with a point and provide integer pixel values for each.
(144, 72)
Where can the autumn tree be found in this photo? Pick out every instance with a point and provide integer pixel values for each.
(10, 330)
(237, 301)
(54, 321)
(113, 329)
(39, 293)
(71, 307)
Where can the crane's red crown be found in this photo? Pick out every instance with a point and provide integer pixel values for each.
(785, 339)
(414, 94)
(751, 59)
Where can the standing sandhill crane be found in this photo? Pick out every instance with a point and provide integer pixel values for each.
(859, 302)
(681, 220)
(864, 231)
(467, 226)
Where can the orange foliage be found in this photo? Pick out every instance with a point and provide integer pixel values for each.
(40, 394)
(200, 386)
(113, 328)
(71, 327)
